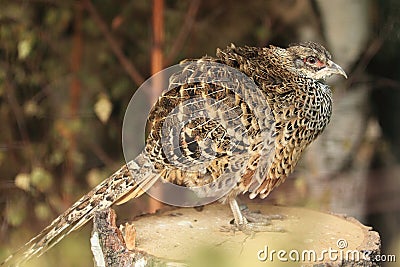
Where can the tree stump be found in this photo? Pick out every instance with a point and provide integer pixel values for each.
(186, 237)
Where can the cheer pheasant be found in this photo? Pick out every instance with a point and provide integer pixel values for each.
(298, 108)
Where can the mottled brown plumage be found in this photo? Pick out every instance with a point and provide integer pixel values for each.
(299, 104)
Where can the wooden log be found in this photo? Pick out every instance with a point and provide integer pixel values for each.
(186, 237)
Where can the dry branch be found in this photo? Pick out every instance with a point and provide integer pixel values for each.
(125, 62)
(187, 26)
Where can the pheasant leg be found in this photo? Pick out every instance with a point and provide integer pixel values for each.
(250, 222)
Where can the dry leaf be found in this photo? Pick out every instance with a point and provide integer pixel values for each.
(22, 181)
(103, 108)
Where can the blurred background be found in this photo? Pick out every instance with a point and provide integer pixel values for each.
(68, 70)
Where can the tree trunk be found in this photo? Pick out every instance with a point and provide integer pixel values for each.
(186, 237)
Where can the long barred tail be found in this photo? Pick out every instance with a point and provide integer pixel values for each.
(130, 181)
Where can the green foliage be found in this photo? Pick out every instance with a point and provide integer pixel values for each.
(16, 213)
(41, 179)
(212, 257)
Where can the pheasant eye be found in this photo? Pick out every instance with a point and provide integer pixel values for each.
(311, 60)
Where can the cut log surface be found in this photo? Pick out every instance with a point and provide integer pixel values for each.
(186, 237)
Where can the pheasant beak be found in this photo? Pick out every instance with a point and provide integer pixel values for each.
(330, 69)
(333, 68)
